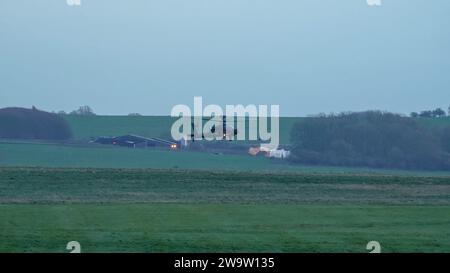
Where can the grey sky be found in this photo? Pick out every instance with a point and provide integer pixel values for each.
(145, 56)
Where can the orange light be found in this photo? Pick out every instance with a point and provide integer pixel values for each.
(173, 146)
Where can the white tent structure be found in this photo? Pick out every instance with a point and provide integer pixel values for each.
(275, 153)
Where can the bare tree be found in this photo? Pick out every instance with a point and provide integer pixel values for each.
(83, 111)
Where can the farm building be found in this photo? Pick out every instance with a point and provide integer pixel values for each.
(134, 141)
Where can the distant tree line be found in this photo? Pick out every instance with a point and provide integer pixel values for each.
(371, 139)
(21, 123)
(436, 113)
(87, 111)
(81, 111)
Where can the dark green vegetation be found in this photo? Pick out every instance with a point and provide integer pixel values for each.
(184, 211)
(162, 186)
(436, 113)
(223, 228)
(371, 139)
(20, 123)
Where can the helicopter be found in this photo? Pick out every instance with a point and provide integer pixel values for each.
(226, 132)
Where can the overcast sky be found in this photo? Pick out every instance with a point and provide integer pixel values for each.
(308, 56)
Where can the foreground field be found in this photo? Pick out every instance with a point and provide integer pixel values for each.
(58, 186)
(123, 210)
(223, 228)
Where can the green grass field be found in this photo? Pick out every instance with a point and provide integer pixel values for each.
(65, 156)
(49, 155)
(125, 210)
(60, 186)
(223, 228)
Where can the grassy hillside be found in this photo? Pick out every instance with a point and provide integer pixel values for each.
(439, 122)
(85, 127)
